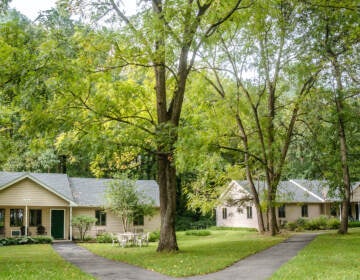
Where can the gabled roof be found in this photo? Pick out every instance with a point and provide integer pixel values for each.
(294, 191)
(77, 191)
(53, 182)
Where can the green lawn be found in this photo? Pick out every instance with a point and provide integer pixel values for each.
(30, 262)
(329, 256)
(198, 254)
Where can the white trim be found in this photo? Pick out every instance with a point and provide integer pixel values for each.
(28, 176)
(306, 190)
(70, 226)
(56, 209)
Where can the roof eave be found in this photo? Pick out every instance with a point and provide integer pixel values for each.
(28, 176)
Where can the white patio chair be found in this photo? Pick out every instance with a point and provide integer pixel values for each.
(122, 239)
(142, 239)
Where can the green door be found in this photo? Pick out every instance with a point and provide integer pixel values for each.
(57, 224)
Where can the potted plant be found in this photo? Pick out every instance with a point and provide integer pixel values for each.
(40, 230)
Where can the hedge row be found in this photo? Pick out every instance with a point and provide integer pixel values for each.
(25, 240)
(322, 222)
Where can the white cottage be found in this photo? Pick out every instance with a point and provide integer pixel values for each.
(296, 199)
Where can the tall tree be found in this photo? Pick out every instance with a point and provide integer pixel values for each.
(271, 73)
(166, 37)
(336, 31)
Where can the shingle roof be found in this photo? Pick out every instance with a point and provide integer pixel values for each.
(81, 191)
(307, 191)
(58, 183)
(90, 191)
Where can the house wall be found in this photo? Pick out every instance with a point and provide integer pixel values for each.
(236, 218)
(356, 195)
(45, 219)
(28, 189)
(39, 198)
(293, 212)
(113, 223)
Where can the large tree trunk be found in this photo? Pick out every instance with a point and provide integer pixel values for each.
(167, 182)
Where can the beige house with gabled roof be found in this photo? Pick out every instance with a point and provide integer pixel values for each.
(50, 200)
(296, 199)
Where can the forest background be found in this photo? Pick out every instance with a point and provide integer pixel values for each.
(191, 93)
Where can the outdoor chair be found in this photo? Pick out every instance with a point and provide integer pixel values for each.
(142, 239)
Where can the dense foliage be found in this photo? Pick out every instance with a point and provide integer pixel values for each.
(192, 93)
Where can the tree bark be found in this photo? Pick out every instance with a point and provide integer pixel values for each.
(167, 183)
(343, 149)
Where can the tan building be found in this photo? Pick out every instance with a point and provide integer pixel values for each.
(44, 203)
(296, 199)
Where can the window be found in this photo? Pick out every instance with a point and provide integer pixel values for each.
(16, 217)
(2, 217)
(35, 217)
(100, 215)
(249, 212)
(304, 211)
(224, 213)
(138, 220)
(281, 211)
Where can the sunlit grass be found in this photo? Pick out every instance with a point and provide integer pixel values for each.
(330, 256)
(30, 262)
(197, 255)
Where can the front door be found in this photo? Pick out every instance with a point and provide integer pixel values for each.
(57, 224)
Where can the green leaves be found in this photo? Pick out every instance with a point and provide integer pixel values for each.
(125, 201)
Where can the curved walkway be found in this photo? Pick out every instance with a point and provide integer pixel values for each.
(258, 266)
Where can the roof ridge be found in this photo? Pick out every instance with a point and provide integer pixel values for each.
(306, 190)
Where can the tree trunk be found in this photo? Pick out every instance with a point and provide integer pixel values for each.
(167, 183)
(249, 176)
(343, 149)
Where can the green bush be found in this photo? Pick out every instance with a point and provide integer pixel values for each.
(291, 226)
(198, 232)
(319, 223)
(234, 229)
(25, 240)
(189, 222)
(301, 222)
(354, 224)
(333, 223)
(104, 238)
(154, 236)
(43, 239)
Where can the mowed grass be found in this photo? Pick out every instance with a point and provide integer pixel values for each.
(197, 255)
(30, 262)
(329, 256)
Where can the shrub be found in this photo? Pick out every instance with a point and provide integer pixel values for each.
(234, 228)
(354, 224)
(198, 232)
(333, 223)
(291, 226)
(88, 238)
(43, 239)
(154, 236)
(104, 238)
(301, 222)
(25, 240)
(83, 223)
(319, 223)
